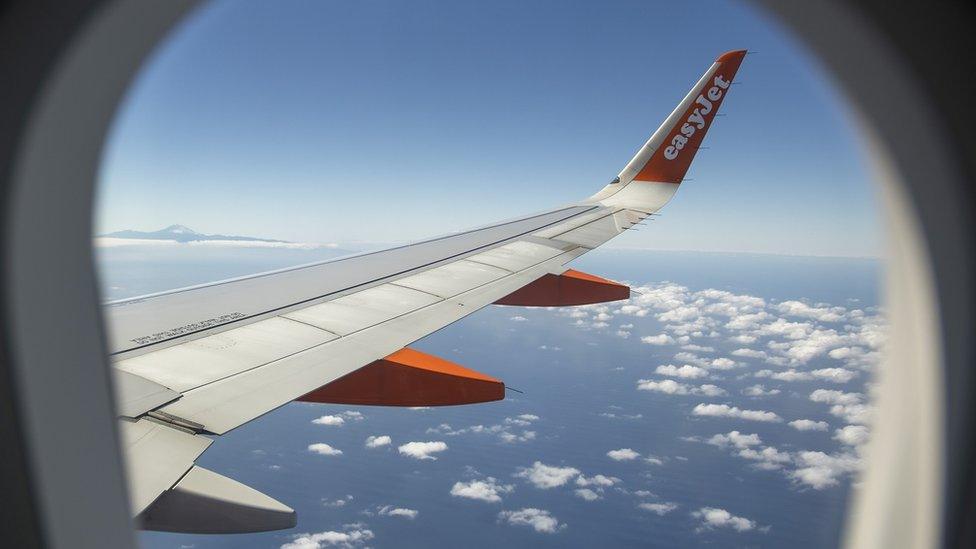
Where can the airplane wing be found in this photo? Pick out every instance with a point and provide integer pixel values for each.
(195, 363)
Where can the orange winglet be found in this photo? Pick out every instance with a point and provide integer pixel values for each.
(671, 160)
(410, 378)
(570, 288)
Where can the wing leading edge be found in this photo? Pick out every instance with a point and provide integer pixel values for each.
(201, 361)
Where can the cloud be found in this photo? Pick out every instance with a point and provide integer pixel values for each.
(483, 490)
(587, 494)
(672, 387)
(502, 430)
(735, 438)
(623, 454)
(660, 339)
(848, 406)
(759, 390)
(768, 457)
(354, 536)
(390, 511)
(788, 375)
(709, 390)
(819, 470)
(685, 372)
(836, 375)
(519, 318)
(547, 476)
(713, 517)
(749, 353)
(808, 425)
(341, 502)
(324, 449)
(540, 520)
(830, 396)
(660, 509)
(724, 410)
(852, 435)
(691, 358)
(666, 386)
(723, 363)
(599, 481)
(377, 441)
(821, 314)
(334, 421)
(422, 450)
(698, 348)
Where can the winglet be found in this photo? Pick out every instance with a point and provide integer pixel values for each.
(666, 156)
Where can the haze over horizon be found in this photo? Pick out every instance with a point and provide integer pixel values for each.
(282, 121)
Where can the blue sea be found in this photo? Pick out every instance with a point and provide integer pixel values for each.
(611, 441)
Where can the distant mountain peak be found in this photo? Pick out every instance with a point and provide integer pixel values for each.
(182, 233)
(179, 229)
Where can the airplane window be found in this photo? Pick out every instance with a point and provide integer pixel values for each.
(725, 400)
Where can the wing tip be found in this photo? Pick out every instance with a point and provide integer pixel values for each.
(733, 55)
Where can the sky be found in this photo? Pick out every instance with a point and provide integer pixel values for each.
(379, 121)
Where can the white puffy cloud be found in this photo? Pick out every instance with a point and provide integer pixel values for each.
(819, 470)
(540, 520)
(713, 517)
(685, 372)
(709, 390)
(377, 441)
(836, 375)
(735, 438)
(831, 396)
(667, 386)
(391, 511)
(672, 387)
(659, 339)
(852, 435)
(724, 410)
(808, 425)
(679, 314)
(334, 421)
(768, 457)
(788, 375)
(748, 321)
(599, 481)
(502, 430)
(698, 348)
(518, 318)
(547, 476)
(852, 413)
(341, 502)
(759, 390)
(354, 536)
(659, 509)
(587, 494)
(353, 415)
(324, 449)
(422, 450)
(722, 363)
(819, 313)
(623, 454)
(691, 358)
(749, 353)
(489, 490)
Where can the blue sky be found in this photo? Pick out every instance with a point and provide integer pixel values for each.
(384, 121)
